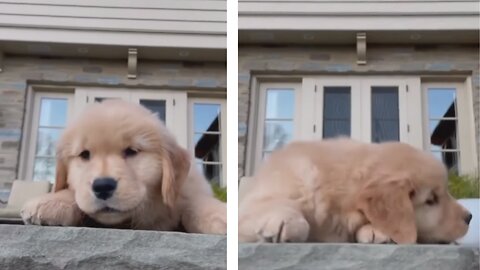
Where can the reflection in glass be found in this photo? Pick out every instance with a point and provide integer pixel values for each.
(212, 172)
(52, 120)
(44, 169)
(206, 117)
(385, 114)
(336, 111)
(442, 123)
(53, 112)
(277, 134)
(441, 103)
(207, 138)
(279, 116)
(156, 106)
(47, 140)
(280, 104)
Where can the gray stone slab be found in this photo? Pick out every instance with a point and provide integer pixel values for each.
(51, 248)
(357, 256)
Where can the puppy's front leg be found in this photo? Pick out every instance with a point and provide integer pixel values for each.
(53, 209)
(204, 215)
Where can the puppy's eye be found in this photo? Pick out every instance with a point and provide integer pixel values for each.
(129, 152)
(432, 200)
(85, 155)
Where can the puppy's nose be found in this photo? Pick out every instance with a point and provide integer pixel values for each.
(468, 218)
(104, 187)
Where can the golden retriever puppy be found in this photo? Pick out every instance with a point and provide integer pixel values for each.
(341, 190)
(118, 165)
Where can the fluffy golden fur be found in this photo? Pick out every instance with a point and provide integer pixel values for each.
(157, 188)
(341, 190)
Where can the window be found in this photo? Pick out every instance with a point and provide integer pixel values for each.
(447, 125)
(207, 141)
(278, 119)
(52, 110)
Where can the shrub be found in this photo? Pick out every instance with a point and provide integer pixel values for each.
(464, 186)
(220, 192)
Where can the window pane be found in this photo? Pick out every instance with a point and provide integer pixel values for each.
(207, 147)
(47, 140)
(280, 104)
(156, 106)
(277, 134)
(44, 169)
(53, 112)
(212, 172)
(441, 103)
(385, 114)
(206, 117)
(336, 111)
(443, 133)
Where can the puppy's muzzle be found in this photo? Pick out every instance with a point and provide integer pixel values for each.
(104, 187)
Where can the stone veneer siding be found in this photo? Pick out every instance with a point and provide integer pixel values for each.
(334, 60)
(19, 72)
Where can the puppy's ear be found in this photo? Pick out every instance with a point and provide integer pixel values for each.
(388, 207)
(175, 166)
(60, 175)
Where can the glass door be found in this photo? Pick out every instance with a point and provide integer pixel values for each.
(337, 108)
(369, 109)
(384, 110)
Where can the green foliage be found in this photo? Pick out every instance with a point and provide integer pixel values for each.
(220, 192)
(464, 186)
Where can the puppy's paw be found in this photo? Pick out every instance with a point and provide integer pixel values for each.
(218, 224)
(48, 211)
(282, 227)
(369, 235)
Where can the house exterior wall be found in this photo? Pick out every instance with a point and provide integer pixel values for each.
(358, 15)
(19, 72)
(336, 60)
(169, 23)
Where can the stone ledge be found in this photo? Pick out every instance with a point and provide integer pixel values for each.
(357, 256)
(51, 248)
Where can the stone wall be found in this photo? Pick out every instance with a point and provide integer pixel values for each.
(19, 72)
(334, 60)
(55, 248)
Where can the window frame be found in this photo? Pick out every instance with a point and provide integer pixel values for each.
(223, 130)
(31, 125)
(465, 132)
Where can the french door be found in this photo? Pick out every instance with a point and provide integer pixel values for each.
(366, 108)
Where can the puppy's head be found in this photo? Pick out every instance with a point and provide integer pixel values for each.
(407, 198)
(118, 158)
